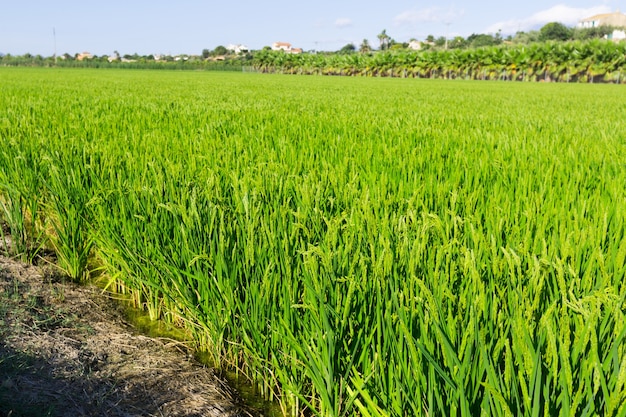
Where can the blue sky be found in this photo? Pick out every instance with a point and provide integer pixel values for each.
(189, 26)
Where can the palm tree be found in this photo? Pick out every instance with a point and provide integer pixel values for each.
(384, 39)
(365, 46)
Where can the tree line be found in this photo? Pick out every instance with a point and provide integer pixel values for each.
(573, 61)
(552, 53)
(553, 31)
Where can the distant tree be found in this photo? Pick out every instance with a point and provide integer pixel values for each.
(430, 39)
(384, 39)
(458, 42)
(220, 50)
(480, 40)
(365, 46)
(596, 32)
(348, 49)
(206, 53)
(555, 31)
(525, 37)
(392, 44)
(440, 41)
(498, 36)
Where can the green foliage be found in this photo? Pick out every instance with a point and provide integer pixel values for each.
(521, 58)
(481, 40)
(220, 50)
(441, 249)
(20, 195)
(525, 37)
(458, 43)
(590, 61)
(597, 32)
(69, 193)
(365, 46)
(555, 31)
(384, 40)
(347, 49)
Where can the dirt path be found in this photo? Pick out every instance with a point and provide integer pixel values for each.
(66, 351)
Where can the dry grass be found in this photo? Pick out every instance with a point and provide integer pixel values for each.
(66, 351)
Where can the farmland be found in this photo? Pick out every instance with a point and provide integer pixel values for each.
(354, 246)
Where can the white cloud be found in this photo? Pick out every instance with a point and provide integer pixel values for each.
(569, 16)
(430, 14)
(343, 22)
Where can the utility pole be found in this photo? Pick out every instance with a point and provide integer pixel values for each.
(54, 35)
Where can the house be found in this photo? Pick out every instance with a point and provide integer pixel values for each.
(415, 45)
(616, 19)
(84, 55)
(286, 47)
(616, 36)
(281, 46)
(114, 57)
(238, 49)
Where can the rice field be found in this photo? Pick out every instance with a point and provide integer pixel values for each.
(366, 247)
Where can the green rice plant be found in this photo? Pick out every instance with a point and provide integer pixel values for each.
(13, 215)
(69, 214)
(370, 247)
(19, 202)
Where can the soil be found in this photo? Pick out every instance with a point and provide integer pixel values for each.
(67, 350)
